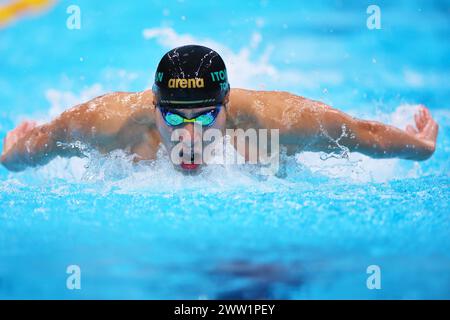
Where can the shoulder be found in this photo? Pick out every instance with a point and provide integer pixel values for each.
(276, 109)
(110, 112)
(269, 108)
(122, 103)
(265, 101)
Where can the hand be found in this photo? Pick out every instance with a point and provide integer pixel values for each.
(426, 128)
(16, 134)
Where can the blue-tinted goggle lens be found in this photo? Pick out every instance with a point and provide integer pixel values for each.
(205, 119)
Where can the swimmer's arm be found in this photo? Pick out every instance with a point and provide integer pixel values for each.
(375, 139)
(313, 126)
(94, 124)
(327, 129)
(29, 145)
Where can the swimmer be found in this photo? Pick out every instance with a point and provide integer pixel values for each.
(191, 88)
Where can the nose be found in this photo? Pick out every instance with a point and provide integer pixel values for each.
(195, 135)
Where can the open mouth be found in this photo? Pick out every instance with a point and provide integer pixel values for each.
(189, 165)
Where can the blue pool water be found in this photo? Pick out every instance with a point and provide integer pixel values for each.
(150, 233)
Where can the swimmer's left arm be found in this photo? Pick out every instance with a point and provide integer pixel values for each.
(313, 126)
(377, 140)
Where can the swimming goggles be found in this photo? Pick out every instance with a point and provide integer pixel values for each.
(205, 119)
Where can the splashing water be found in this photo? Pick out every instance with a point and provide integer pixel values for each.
(136, 226)
(147, 231)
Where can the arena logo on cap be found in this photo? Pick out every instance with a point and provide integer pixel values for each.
(187, 83)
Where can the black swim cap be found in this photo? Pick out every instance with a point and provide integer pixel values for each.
(190, 77)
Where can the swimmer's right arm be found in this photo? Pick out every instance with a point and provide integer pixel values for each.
(95, 123)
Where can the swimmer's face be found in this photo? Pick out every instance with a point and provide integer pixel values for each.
(185, 142)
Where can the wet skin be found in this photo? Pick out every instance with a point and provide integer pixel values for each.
(131, 122)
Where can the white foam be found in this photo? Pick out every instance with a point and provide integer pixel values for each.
(359, 168)
(116, 172)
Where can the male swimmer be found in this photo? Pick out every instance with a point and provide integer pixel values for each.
(191, 88)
